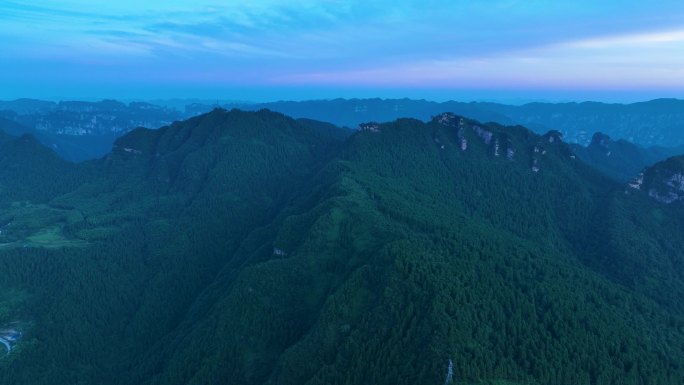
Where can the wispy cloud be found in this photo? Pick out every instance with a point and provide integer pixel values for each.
(426, 43)
(653, 59)
(644, 38)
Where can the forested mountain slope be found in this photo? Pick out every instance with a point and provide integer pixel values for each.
(251, 248)
(663, 181)
(621, 159)
(30, 171)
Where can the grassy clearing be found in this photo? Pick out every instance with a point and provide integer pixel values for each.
(24, 224)
(52, 237)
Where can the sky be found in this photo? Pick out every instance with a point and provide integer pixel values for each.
(261, 50)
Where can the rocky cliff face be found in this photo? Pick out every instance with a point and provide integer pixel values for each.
(89, 119)
(504, 142)
(653, 123)
(620, 159)
(663, 182)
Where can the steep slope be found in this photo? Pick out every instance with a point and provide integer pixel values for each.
(663, 182)
(29, 171)
(411, 254)
(621, 159)
(251, 248)
(164, 212)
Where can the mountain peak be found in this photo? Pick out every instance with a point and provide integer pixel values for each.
(553, 136)
(299, 257)
(370, 126)
(600, 139)
(663, 181)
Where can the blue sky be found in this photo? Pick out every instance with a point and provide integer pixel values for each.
(268, 49)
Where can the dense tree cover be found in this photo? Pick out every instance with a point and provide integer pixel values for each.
(251, 248)
(29, 171)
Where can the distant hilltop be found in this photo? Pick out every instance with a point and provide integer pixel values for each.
(80, 130)
(658, 122)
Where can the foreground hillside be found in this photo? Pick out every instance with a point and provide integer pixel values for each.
(251, 248)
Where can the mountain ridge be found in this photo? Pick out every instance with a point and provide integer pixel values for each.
(250, 247)
(621, 159)
(655, 122)
(86, 130)
(664, 181)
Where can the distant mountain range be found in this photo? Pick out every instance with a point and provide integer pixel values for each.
(654, 123)
(80, 130)
(252, 248)
(86, 130)
(76, 118)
